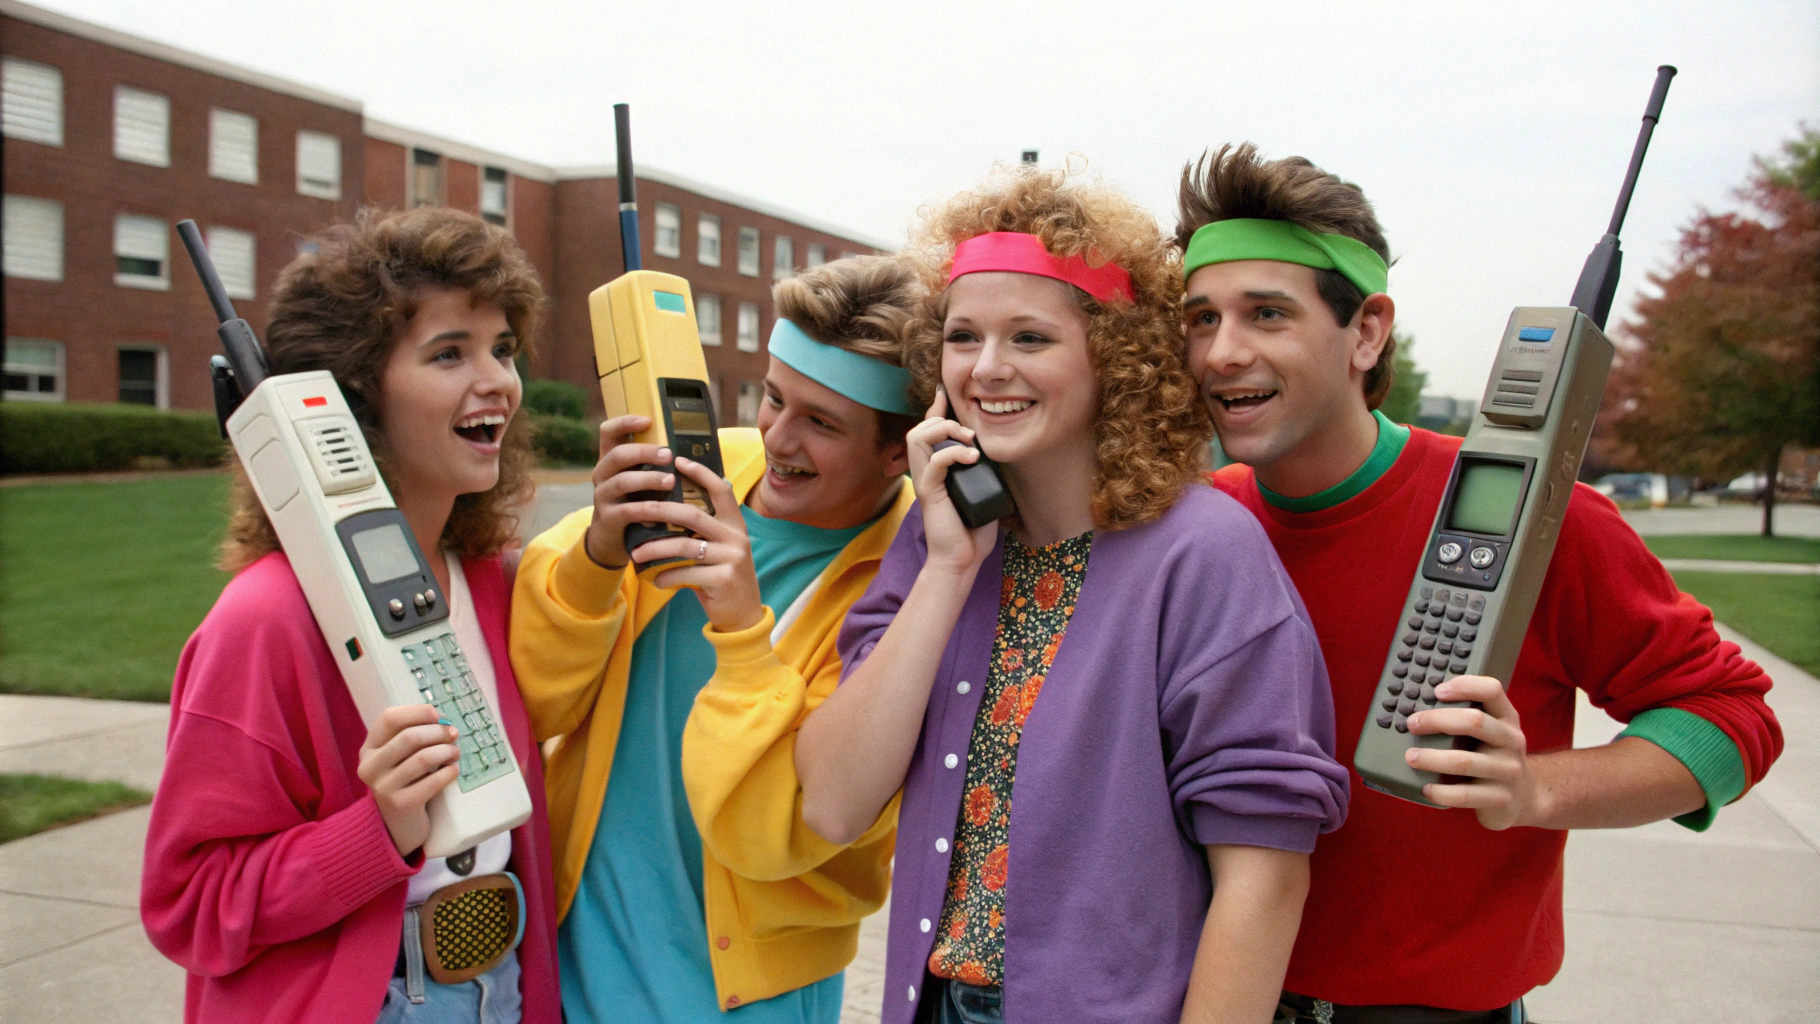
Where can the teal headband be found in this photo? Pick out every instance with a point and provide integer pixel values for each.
(1224, 241)
(872, 383)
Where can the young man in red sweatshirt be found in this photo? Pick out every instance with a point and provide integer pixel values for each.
(1416, 913)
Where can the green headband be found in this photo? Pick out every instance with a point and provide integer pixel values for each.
(873, 383)
(1224, 241)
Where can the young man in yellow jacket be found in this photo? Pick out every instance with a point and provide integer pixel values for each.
(686, 882)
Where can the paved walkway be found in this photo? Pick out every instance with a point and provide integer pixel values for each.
(1723, 565)
(1790, 520)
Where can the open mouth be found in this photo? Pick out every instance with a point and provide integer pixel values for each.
(481, 428)
(1239, 401)
(791, 474)
(1006, 406)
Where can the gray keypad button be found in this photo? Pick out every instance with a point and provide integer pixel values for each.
(1472, 618)
(1421, 659)
(1421, 608)
(1450, 630)
(1460, 599)
(1462, 651)
(1441, 595)
(1455, 614)
(1415, 622)
(1399, 670)
(1444, 647)
(1468, 633)
(1428, 592)
(1428, 643)
(1404, 655)
(1389, 703)
(1457, 667)
(1405, 706)
(1401, 723)
(1409, 639)
(1428, 694)
(1434, 626)
(1384, 721)
(1478, 603)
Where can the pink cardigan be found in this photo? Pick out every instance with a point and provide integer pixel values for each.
(269, 874)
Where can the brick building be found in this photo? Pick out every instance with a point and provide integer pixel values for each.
(110, 139)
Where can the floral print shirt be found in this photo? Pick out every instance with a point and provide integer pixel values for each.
(1034, 607)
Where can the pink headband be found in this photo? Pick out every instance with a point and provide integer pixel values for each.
(1024, 254)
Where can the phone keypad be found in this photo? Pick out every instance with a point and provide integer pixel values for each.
(446, 683)
(1441, 629)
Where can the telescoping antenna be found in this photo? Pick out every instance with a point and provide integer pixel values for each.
(628, 198)
(1599, 278)
(235, 376)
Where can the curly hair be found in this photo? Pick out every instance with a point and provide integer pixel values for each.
(1150, 438)
(863, 304)
(1234, 182)
(341, 307)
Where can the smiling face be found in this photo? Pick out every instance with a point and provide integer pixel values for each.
(1278, 373)
(824, 465)
(447, 393)
(1017, 369)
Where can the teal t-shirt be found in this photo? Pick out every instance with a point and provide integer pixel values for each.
(634, 946)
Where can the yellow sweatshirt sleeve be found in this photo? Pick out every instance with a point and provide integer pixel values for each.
(567, 614)
(739, 763)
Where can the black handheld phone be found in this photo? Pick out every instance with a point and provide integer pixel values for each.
(977, 490)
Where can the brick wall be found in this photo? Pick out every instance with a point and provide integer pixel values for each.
(90, 314)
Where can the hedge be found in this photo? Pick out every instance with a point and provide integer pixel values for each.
(556, 398)
(563, 441)
(45, 437)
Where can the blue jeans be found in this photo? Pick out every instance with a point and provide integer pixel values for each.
(968, 1004)
(491, 998)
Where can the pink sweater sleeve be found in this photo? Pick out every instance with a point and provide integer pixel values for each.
(261, 833)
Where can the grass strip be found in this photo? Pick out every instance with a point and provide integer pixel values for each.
(101, 583)
(1779, 612)
(1736, 547)
(33, 803)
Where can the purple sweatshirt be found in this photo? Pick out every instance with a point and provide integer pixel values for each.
(1188, 706)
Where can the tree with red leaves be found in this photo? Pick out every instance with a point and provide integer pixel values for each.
(1721, 370)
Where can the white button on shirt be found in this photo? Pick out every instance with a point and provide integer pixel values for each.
(951, 760)
(941, 846)
(926, 925)
(963, 686)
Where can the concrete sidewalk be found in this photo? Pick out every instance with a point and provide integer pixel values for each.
(1663, 925)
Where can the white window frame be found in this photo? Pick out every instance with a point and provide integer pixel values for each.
(22, 214)
(141, 108)
(708, 318)
(783, 258)
(36, 369)
(132, 222)
(707, 240)
(751, 396)
(666, 231)
(319, 187)
(30, 86)
(504, 212)
(161, 373)
(816, 256)
(747, 340)
(748, 267)
(223, 163)
(224, 245)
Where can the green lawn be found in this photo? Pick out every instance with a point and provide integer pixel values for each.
(33, 803)
(101, 583)
(1736, 547)
(1780, 612)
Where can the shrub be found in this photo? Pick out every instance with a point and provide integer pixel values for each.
(555, 398)
(73, 438)
(565, 442)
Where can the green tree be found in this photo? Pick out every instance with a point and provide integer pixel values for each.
(1721, 371)
(1407, 380)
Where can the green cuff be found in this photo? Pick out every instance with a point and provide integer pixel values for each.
(1706, 751)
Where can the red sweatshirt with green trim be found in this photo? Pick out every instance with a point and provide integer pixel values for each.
(1416, 905)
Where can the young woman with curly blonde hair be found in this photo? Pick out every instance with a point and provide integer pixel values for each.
(1181, 734)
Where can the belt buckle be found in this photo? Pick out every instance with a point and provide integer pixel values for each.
(468, 928)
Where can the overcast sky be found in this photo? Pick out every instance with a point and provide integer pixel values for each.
(1492, 138)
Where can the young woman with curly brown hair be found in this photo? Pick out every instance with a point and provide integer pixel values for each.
(284, 859)
(1126, 648)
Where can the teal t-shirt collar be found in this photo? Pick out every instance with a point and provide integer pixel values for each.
(1391, 439)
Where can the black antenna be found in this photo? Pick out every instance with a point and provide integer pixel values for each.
(628, 199)
(1598, 282)
(244, 355)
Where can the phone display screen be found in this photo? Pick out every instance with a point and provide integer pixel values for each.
(384, 554)
(1487, 497)
(690, 422)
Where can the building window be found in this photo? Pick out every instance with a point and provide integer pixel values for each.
(33, 101)
(33, 233)
(142, 126)
(714, 396)
(143, 380)
(818, 255)
(319, 165)
(707, 318)
(426, 178)
(232, 251)
(142, 249)
(233, 146)
(751, 393)
(668, 239)
(748, 327)
(707, 246)
(748, 251)
(493, 195)
(34, 370)
(783, 258)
